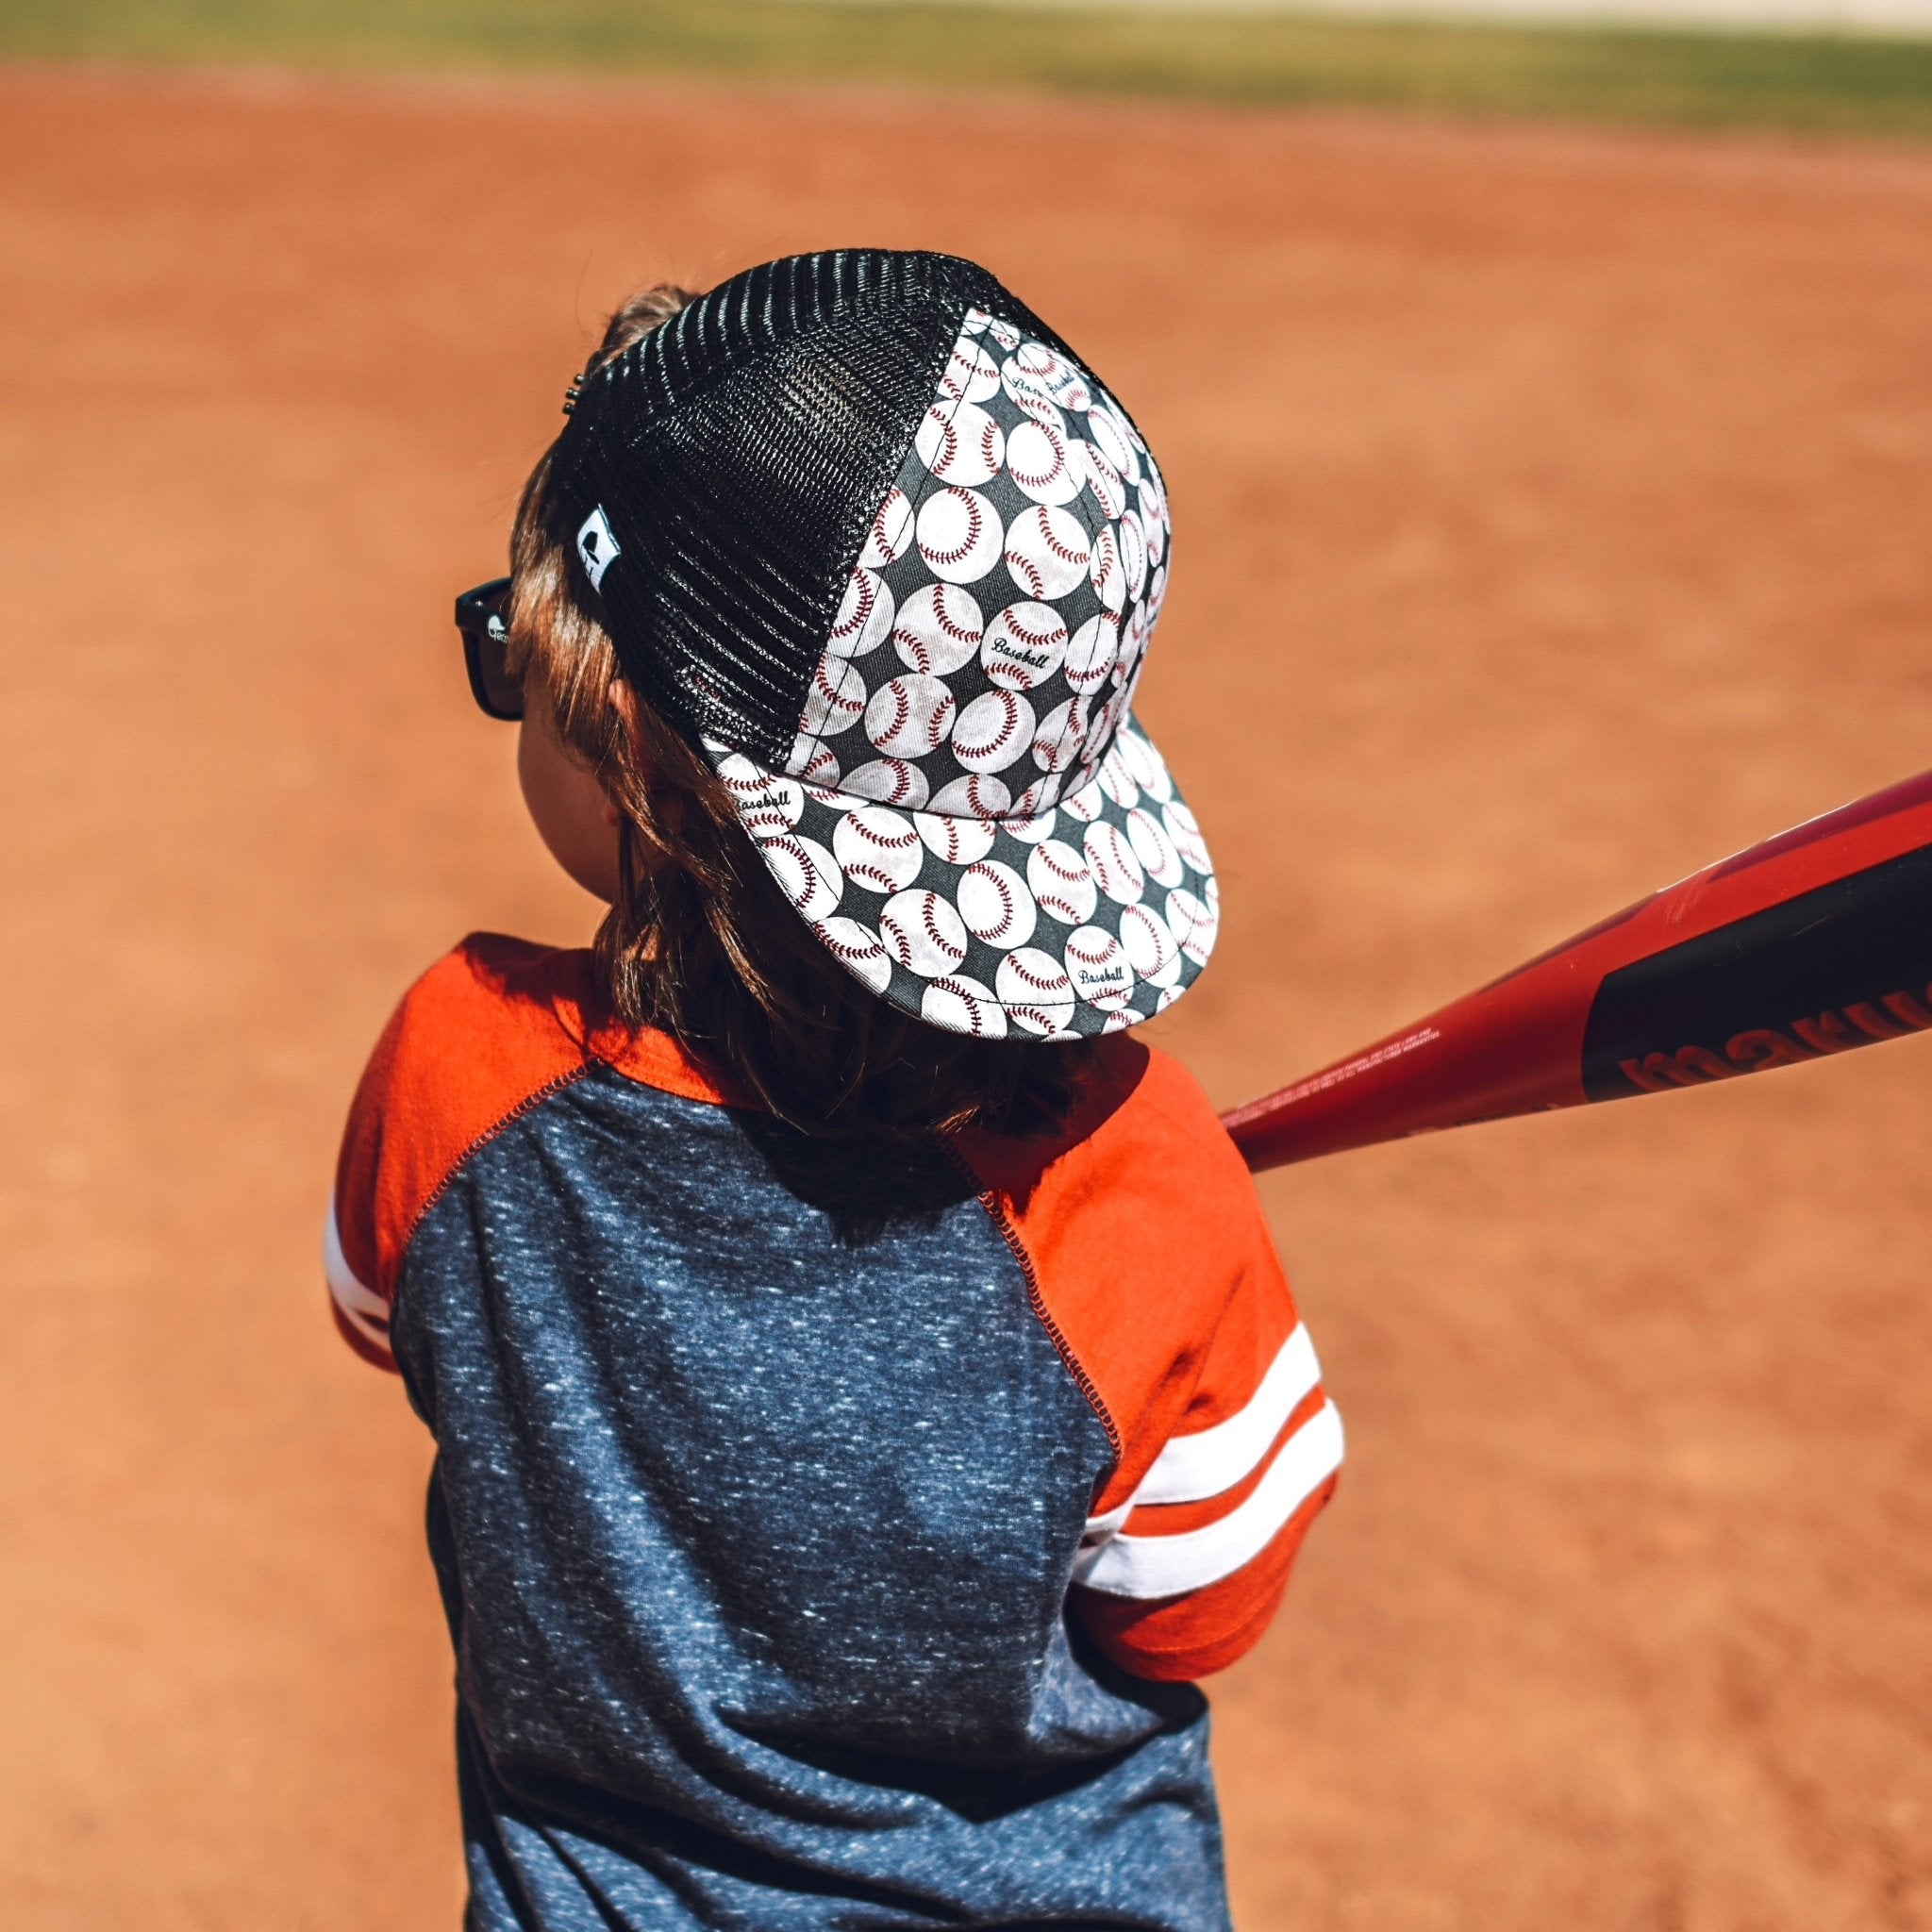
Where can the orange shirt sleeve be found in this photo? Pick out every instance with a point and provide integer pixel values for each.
(1152, 1266)
(488, 1031)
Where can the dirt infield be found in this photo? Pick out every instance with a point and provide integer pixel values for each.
(1552, 515)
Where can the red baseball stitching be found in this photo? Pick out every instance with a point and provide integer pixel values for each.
(1056, 448)
(958, 555)
(1060, 549)
(843, 950)
(902, 780)
(886, 840)
(1008, 904)
(969, 1000)
(867, 600)
(941, 944)
(1010, 723)
(1062, 984)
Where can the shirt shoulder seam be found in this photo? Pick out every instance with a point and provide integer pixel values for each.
(556, 1084)
(996, 1213)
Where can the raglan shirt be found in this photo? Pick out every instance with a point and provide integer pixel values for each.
(828, 1539)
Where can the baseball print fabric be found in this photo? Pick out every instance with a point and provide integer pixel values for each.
(970, 818)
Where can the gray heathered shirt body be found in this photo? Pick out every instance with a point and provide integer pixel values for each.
(758, 1489)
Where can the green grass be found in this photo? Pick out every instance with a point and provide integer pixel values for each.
(1812, 83)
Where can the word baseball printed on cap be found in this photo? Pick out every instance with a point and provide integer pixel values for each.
(956, 799)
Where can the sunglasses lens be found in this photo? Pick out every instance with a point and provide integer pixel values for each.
(503, 694)
(482, 617)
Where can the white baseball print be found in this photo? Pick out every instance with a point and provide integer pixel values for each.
(924, 933)
(1000, 829)
(865, 615)
(961, 443)
(1109, 438)
(959, 537)
(840, 801)
(1124, 423)
(1149, 947)
(1068, 388)
(1032, 830)
(1096, 962)
(767, 806)
(1154, 514)
(996, 904)
(1143, 761)
(811, 761)
(1193, 924)
(971, 374)
(891, 781)
(1035, 990)
(992, 731)
(1116, 781)
(834, 700)
(938, 629)
(1109, 578)
(1048, 551)
(963, 1005)
(858, 949)
(1110, 492)
(907, 717)
(878, 849)
(1040, 462)
(1054, 373)
(1085, 805)
(956, 840)
(1092, 653)
(890, 533)
(1030, 393)
(1152, 846)
(1039, 797)
(1133, 543)
(1024, 645)
(1112, 862)
(1178, 822)
(977, 795)
(1062, 732)
(1061, 883)
(807, 875)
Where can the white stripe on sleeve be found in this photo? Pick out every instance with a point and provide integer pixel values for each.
(1192, 1468)
(362, 1307)
(1161, 1566)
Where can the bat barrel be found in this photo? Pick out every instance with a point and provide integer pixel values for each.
(1813, 943)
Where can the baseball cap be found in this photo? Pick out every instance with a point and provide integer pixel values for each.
(881, 544)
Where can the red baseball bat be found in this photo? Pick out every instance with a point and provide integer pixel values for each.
(1814, 942)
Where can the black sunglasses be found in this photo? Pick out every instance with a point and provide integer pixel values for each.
(482, 617)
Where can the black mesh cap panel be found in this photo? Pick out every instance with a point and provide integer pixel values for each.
(738, 454)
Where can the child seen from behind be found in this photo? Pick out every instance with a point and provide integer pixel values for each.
(865, 1393)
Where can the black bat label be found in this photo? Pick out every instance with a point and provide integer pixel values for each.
(1839, 967)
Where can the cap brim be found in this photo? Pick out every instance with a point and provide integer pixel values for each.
(1088, 919)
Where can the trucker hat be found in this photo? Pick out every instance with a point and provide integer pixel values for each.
(882, 544)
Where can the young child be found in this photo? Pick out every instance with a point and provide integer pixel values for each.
(864, 1391)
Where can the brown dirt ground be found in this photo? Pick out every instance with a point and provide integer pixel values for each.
(1552, 511)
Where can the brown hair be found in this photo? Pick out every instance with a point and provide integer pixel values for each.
(700, 943)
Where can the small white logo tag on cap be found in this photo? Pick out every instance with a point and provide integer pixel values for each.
(596, 546)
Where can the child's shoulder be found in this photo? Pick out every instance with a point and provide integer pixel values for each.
(1142, 1123)
(495, 1018)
